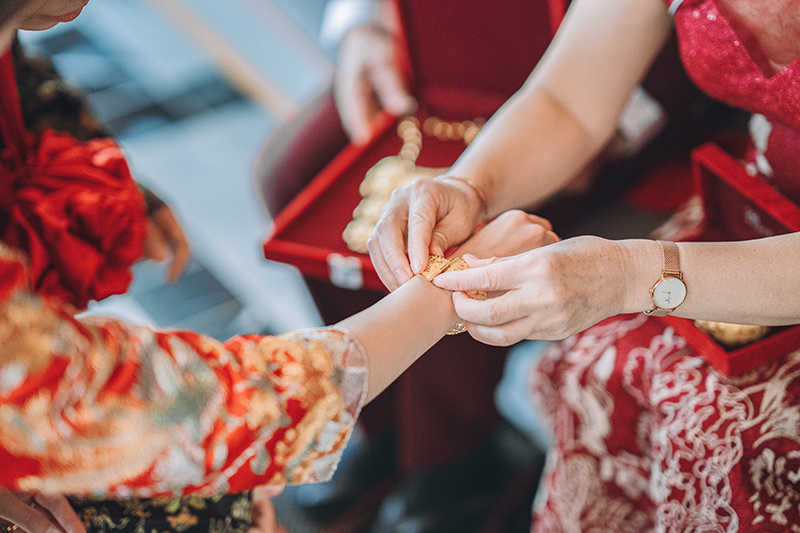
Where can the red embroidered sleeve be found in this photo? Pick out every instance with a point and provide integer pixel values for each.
(106, 408)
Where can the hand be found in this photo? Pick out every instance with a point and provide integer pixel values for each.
(548, 293)
(38, 513)
(264, 520)
(368, 80)
(165, 239)
(432, 215)
(511, 233)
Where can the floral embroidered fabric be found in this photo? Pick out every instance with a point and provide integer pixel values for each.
(650, 437)
(191, 514)
(108, 409)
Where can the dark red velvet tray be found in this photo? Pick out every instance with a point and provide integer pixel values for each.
(455, 74)
(738, 206)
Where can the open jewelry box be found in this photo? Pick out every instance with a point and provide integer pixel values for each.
(737, 206)
(450, 53)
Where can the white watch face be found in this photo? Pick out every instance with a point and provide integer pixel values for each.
(669, 293)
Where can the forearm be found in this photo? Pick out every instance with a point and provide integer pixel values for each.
(747, 282)
(397, 330)
(400, 328)
(517, 166)
(568, 109)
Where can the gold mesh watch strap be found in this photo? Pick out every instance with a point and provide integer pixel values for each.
(672, 259)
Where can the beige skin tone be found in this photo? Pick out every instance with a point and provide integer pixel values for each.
(534, 145)
(367, 79)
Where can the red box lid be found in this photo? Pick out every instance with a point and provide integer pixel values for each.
(738, 206)
(471, 55)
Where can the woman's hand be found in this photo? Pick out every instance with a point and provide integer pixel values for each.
(548, 293)
(264, 520)
(165, 240)
(511, 233)
(431, 215)
(368, 81)
(38, 513)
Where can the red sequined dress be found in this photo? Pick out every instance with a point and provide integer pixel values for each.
(647, 435)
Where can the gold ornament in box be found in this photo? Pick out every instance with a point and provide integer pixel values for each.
(395, 171)
(732, 335)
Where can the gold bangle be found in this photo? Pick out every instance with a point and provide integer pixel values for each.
(439, 265)
(484, 212)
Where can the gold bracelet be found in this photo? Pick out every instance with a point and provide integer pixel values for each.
(439, 265)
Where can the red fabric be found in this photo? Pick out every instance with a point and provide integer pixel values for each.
(731, 68)
(649, 437)
(73, 207)
(452, 49)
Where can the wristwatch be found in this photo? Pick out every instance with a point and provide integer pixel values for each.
(670, 291)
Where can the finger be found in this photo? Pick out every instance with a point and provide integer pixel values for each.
(385, 273)
(496, 276)
(553, 237)
(176, 241)
(155, 245)
(503, 335)
(267, 491)
(62, 512)
(263, 516)
(355, 100)
(390, 89)
(26, 518)
(421, 222)
(535, 219)
(494, 311)
(389, 236)
(476, 262)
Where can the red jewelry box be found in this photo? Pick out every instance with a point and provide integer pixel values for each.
(737, 206)
(463, 58)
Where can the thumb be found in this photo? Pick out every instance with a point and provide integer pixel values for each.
(390, 90)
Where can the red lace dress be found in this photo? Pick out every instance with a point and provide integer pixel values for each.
(102, 408)
(647, 435)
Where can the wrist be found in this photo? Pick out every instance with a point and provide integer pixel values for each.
(642, 260)
(476, 191)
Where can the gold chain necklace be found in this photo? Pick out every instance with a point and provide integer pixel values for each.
(395, 171)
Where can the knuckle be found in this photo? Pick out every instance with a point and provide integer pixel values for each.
(517, 216)
(486, 279)
(492, 313)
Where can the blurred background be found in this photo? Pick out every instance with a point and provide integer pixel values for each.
(190, 89)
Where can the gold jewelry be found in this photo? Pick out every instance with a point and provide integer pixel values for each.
(439, 265)
(395, 171)
(436, 265)
(732, 335)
